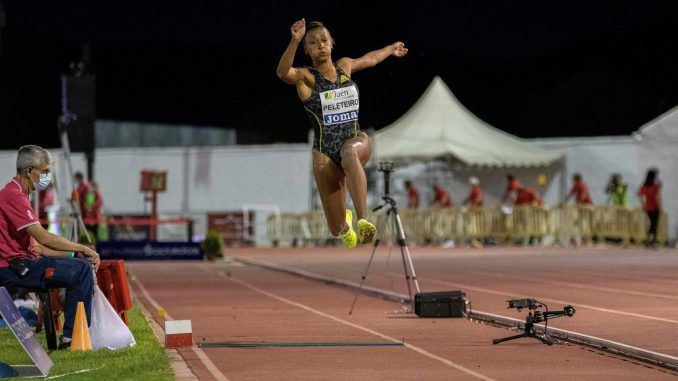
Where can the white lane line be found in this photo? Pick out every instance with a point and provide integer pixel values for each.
(575, 285)
(365, 329)
(214, 371)
(68, 374)
(505, 294)
(209, 364)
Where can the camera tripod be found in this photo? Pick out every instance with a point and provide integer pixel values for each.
(538, 317)
(393, 217)
(63, 123)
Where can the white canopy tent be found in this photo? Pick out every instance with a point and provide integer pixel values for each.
(438, 126)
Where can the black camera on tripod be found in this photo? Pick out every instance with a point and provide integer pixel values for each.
(519, 304)
(385, 166)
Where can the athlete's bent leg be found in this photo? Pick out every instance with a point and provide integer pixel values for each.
(355, 154)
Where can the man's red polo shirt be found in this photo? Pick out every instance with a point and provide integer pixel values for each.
(16, 214)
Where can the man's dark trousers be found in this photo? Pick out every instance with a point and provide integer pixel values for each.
(73, 274)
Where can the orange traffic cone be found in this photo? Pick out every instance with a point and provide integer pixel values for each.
(81, 340)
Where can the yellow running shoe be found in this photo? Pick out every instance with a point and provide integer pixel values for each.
(366, 231)
(349, 238)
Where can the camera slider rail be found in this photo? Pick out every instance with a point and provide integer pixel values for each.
(535, 317)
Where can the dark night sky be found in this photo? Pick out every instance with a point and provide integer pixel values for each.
(533, 69)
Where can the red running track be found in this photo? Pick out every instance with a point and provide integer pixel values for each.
(236, 303)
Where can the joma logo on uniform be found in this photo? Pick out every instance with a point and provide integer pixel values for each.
(339, 118)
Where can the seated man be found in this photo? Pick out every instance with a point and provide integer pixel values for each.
(50, 263)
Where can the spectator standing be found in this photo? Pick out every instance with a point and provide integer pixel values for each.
(511, 190)
(475, 196)
(650, 198)
(46, 198)
(617, 191)
(91, 212)
(81, 188)
(441, 197)
(412, 195)
(580, 191)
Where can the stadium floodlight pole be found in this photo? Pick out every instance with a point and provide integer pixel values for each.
(64, 121)
(391, 213)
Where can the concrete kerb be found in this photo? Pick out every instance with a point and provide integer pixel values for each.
(654, 358)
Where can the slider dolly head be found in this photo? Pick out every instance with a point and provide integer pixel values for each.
(533, 317)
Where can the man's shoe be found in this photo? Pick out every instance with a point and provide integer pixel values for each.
(366, 231)
(64, 343)
(349, 238)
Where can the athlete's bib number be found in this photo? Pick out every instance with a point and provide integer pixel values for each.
(340, 105)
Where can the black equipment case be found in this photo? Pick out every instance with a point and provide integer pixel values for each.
(441, 304)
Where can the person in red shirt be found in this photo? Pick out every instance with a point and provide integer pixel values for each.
(91, 212)
(528, 196)
(650, 198)
(30, 256)
(412, 195)
(475, 196)
(441, 197)
(46, 200)
(511, 189)
(580, 191)
(82, 189)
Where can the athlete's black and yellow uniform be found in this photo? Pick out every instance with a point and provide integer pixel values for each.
(333, 111)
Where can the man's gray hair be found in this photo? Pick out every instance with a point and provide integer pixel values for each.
(32, 156)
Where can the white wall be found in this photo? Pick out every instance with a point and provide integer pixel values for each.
(207, 179)
(596, 158)
(200, 180)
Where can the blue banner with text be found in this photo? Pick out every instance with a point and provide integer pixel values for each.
(149, 250)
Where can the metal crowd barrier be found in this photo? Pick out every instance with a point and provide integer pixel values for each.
(436, 225)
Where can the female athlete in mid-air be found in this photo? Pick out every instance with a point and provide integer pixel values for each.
(331, 99)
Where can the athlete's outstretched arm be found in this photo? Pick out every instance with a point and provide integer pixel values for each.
(285, 71)
(371, 59)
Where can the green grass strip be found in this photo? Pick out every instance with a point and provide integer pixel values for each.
(145, 361)
(285, 345)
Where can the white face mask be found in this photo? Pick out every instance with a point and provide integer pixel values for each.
(43, 183)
